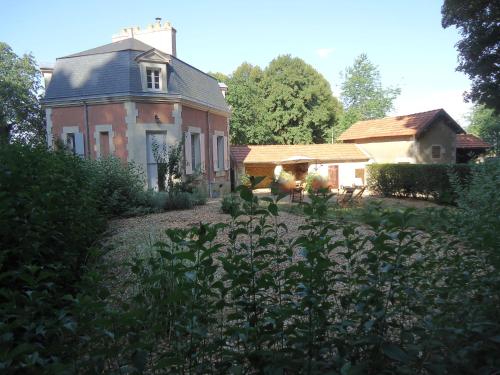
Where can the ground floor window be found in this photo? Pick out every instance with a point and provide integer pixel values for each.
(70, 143)
(196, 151)
(220, 153)
(104, 144)
(157, 153)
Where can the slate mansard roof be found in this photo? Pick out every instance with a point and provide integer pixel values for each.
(111, 70)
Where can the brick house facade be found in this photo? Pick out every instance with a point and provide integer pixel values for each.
(128, 97)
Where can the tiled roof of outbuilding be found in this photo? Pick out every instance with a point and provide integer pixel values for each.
(396, 126)
(111, 70)
(471, 141)
(275, 154)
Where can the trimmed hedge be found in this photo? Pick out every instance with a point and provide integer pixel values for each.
(428, 181)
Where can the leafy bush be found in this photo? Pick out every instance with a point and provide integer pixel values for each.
(119, 186)
(479, 205)
(286, 181)
(416, 180)
(199, 196)
(179, 200)
(49, 217)
(245, 180)
(315, 182)
(391, 300)
(230, 204)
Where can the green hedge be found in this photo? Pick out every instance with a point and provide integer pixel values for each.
(428, 181)
(49, 217)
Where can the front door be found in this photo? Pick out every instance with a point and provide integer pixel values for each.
(333, 176)
(156, 145)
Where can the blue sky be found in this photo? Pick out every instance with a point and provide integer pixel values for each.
(404, 38)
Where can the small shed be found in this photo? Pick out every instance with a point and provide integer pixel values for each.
(470, 147)
(342, 164)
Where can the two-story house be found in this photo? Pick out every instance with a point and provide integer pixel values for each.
(134, 96)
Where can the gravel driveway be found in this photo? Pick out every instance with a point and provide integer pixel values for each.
(128, 237)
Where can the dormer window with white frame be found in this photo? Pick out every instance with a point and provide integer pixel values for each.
(153, 66)
(153, 81)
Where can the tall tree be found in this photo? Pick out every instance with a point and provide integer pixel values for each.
(486, 124)
(362, 93)
(21, 116)
(245, 95)
(479, 49)
(299, 105)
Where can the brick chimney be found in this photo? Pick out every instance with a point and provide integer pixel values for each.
(161, 37)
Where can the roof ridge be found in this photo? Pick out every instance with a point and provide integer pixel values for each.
(408, 115)
(95, 50)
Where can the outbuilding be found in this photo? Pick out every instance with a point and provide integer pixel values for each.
(341, 164)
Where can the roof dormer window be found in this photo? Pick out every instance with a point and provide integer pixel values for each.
(153, 78)
(153, 66)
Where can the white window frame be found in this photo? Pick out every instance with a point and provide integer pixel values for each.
(75, 130)
(162, 68)
(215, 152)
(188, 150)
(220, 143)
(97, 132)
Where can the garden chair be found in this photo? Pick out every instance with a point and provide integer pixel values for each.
(345, 196)
(356, 198)
(297, 193)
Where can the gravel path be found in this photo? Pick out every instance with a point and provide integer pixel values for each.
(128, 237)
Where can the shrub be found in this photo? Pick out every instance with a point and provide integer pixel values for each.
(230, 204)
(479, 205)
(391, 300)
(199, 196)
(178, 200)
(416, 180)
(245, 180)
(119, 186)
(49, 217)
(286, 181)
(315, 182)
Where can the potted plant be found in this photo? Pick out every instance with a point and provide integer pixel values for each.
(286, 181)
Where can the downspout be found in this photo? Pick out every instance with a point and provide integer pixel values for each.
(210, 160)
(87, 130)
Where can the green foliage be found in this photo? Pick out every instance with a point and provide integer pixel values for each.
(362, 94)
(315, 181)
(169, 164)
(179, 200)
(479, 205)
(49, 216)
(230, 204)
(250, 296)
(299, 103)
(118, 186)
(416, 180)
(21, 116)
(479, 47)
(330, 298)
(287, 103)
(486, 125)
(245, 95)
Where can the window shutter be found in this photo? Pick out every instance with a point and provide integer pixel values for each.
(214, 153)
(79, 146)
(202, 152)
(187, 152)
(226, 154)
